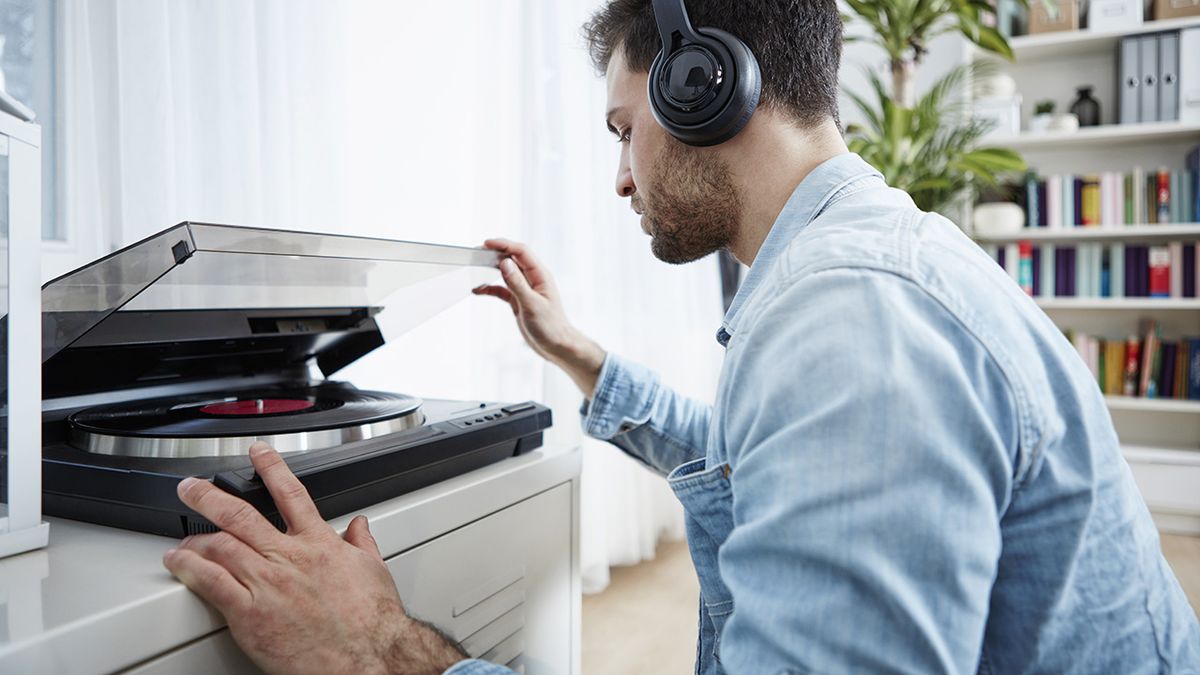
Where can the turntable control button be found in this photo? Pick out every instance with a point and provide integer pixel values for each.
(468, 423)
(520, 407)
(479, 421)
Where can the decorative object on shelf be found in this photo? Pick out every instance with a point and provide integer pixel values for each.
(1086, 108)
(998, 219)
(1064, 123)
(1001, 115)
(1053, 16)
(927, 147)
(1176, 9)
(997, 85)
(1114, 15)
(1043, 114)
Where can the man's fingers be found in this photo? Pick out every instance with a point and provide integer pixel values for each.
(229, 552)
(498, 292)
(358, 534)
(291, 497)
(208, 580)
(228, 513)
(515, 279)
(526, 260)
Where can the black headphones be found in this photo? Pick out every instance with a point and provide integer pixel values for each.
(705, 83)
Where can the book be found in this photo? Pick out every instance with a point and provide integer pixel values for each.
(1132, 366)
(1160, 272)
(1089, 201)
(1193, 369)
(1189, 270)
(1176, 269)
(1025, 267)
(1166, 373)
(1149, 333)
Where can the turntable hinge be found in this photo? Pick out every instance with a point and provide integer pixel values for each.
(181, 251)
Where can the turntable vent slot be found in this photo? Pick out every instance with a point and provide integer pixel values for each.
(193, 526)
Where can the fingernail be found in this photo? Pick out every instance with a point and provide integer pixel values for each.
(170, 552)
(508, 266)
(185, 484)
(259, 449)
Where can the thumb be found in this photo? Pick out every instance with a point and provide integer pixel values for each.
(358, 534)
(515, 279)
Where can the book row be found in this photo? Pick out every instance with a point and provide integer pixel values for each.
(1111, 198)
(1144, 365)
(1102, 270)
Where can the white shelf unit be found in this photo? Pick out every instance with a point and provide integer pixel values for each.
(1160, 437)
(1134, 234)
(1070, 44)
(1112, 135)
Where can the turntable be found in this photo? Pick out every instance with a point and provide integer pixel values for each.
(170, 357)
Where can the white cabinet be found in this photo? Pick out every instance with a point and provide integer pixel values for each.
(500, 586)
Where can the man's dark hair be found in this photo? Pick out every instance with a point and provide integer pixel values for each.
(798, 44)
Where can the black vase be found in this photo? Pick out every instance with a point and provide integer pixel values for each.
(1086, 108)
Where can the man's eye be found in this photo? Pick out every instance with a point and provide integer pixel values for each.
(623, 136)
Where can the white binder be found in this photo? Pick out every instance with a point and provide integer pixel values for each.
(1189, 76)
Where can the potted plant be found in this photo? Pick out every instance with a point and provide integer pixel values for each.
(1043, 115)
(928, 146)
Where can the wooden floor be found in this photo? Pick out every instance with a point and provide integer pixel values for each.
(645, 622)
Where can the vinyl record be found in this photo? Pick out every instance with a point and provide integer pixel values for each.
(289, 418)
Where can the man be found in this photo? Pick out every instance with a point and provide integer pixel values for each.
(907, 468)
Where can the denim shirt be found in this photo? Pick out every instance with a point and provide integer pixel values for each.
(907, 467)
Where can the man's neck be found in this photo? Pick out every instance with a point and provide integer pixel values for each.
(777, 156)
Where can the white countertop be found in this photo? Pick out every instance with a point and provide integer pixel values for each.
(98, 599)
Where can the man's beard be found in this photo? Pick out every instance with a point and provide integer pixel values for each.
(691, 207)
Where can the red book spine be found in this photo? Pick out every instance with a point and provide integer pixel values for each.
(1164, 196)
(1160, 272)
(1133, 354)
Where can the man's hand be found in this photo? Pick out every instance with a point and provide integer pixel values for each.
(530, 291)
(306, 601)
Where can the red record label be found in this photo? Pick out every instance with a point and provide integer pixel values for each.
(258, 406)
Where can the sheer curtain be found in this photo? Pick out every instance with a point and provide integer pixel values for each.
(428, 121)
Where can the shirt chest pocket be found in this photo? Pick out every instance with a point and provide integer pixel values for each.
(708, 506)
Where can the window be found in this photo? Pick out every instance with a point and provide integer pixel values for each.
(27, 62)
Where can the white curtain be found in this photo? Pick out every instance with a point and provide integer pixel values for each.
(446, 122)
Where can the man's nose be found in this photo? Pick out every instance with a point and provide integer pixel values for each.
(625, 186)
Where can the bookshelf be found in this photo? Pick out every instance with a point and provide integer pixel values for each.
(1152, 405)
(1073, 44)
(1160, 437)
(1147, 305)
(1133, 234)
(1112, 135)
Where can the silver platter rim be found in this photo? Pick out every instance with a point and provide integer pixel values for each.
(232, 446)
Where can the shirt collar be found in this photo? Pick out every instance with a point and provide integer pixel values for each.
(824, 185)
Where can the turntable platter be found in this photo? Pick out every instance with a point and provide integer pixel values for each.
(292, 419)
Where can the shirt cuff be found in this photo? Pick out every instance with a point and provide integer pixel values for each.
(476, 667)
(622, 401)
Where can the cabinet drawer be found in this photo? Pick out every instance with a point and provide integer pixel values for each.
(500, 587)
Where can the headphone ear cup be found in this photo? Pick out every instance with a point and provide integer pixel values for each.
(730, 112)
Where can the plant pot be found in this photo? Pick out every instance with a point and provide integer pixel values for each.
(998, 219)
(1064, 123)
(1040, 124)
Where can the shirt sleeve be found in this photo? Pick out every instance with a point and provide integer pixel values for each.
(655, 425)
(477, 667)
(868, 482)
